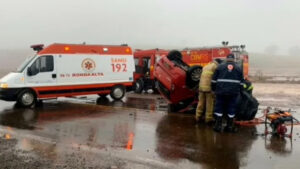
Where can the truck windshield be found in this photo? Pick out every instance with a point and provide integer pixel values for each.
(21, 68)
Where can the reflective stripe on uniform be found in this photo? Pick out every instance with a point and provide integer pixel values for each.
(207, 72)
(213, 81)
(229, 80)
(231, 115)
(218, 114)
(204, 86)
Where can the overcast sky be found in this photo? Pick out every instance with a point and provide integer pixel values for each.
(151, 23)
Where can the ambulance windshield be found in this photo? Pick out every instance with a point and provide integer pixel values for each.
(21, 68)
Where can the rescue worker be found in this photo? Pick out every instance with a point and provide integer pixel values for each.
(206, 97)
(227, 83)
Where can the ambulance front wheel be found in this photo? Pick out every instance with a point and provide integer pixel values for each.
(26, 98)
(118, 92)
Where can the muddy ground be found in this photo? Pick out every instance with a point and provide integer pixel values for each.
(138, 133)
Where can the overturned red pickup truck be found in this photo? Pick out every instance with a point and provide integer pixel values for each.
(177, 81)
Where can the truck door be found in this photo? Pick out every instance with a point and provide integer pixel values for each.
(42, 72)
(146, 65)
(138, 67)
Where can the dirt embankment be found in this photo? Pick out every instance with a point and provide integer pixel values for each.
(277, 95)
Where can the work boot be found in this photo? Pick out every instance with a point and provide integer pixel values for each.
(209, 122)
(199, 119)
(218, 124)
(209, 119)
(230, 126)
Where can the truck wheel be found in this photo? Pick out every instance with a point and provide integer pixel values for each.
(138, 86)
(102, 95)
(174, 55)
(26, 98)
(118, 92)
(193, 76)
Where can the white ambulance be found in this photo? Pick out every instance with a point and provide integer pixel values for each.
(64, 70)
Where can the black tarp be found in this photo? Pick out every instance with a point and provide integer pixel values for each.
(247, 107)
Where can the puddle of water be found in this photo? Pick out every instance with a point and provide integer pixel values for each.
(170, 137)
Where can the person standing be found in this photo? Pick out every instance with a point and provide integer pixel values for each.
(227, 83)
(206, 97)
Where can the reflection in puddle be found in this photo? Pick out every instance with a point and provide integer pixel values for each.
(129, 126)
(281, 146)
(91, 125)
(130, 141)
(178, 138)
(7, 136)
(153, 104)
(19, 117)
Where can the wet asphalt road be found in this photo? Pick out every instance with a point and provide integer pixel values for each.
(134, 133)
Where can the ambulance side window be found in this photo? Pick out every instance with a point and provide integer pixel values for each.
(47, 64)
(34, 68)
(42, 64)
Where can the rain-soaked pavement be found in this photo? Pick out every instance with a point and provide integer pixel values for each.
(134, 133)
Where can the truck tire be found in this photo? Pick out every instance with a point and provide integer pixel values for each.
(102, 101)
(102, 95)
(138, 86)
(174, 55)
(26, 98)
(117, 92)
(193, 76)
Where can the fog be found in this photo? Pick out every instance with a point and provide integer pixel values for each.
(269, 28)
(151, 23)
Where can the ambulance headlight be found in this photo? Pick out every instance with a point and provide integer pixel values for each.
(3, 85)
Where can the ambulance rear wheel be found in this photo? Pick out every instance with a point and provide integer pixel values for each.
(26, 98)
(118, 92)
(138, 86)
